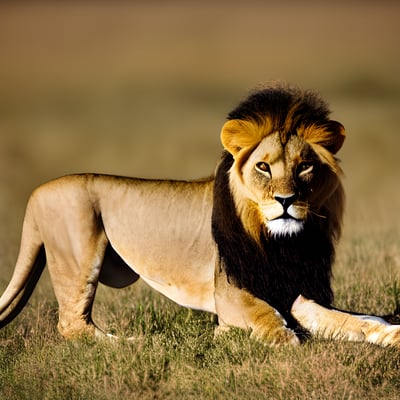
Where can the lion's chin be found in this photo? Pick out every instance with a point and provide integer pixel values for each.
(285, 226)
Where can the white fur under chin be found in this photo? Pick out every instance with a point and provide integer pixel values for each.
(285, 226)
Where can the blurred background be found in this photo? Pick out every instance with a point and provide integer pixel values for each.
(142, 88)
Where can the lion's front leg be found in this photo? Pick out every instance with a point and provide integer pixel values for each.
(334, 324)
(237, 307)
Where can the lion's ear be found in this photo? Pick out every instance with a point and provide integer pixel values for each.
(330, 135)
(238, 134)
(337, 136)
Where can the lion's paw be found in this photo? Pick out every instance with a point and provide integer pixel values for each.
(276, 337)
(384, 335)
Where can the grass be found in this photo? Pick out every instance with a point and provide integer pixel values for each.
(174, 355)
(143, 90)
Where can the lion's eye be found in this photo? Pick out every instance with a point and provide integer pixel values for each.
(263, 167)
(304, 168)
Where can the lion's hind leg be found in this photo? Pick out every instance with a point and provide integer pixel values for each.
(75, 280)
(75, 245)
(75, 292)
(334, 324)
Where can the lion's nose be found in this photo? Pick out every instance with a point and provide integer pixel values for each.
(286, 201)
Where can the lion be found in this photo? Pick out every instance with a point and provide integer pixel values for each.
(254, 244)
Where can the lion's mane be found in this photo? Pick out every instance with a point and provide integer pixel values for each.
(278, 269)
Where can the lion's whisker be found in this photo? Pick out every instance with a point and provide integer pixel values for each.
(318, 215)
(305, 206)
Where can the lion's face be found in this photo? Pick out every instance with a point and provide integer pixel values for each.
(279, 181)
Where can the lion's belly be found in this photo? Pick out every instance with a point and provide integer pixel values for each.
(162, 230)
(184, 275)
(197, 295)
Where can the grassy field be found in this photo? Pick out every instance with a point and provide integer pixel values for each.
(142, 89)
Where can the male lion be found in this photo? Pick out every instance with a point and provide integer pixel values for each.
(251, 244)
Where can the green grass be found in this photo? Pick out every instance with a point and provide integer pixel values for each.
(142, 90)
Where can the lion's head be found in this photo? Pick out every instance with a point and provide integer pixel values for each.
(278, 198)
(284, 170)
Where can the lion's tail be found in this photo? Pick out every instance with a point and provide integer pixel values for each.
(29, 267)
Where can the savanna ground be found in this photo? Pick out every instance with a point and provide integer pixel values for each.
(142, 89)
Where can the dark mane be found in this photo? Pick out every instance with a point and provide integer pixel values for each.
(282, 268)
(284, 105)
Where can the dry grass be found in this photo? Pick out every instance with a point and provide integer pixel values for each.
(175, 355)
(142, 89)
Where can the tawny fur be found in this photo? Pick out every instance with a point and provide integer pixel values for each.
(243, 244)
